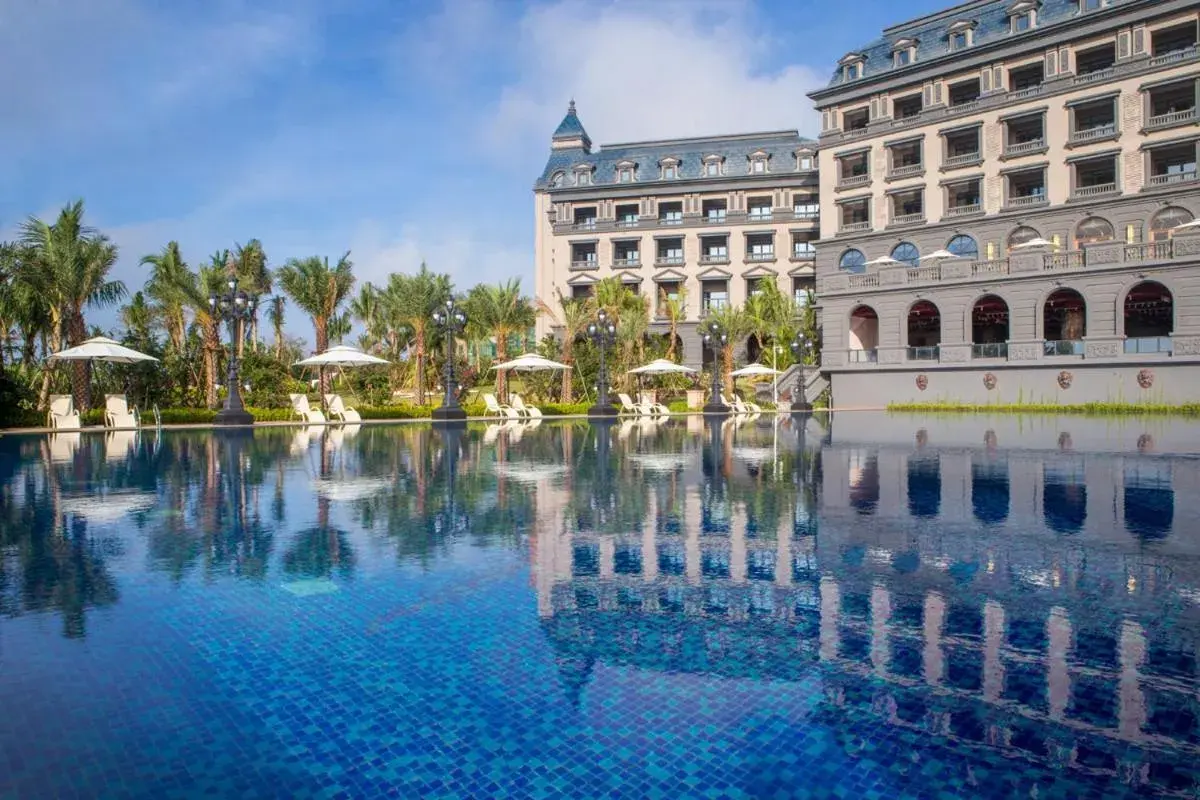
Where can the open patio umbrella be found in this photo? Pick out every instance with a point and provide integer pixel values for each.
(660, 366)
(341, 356)
(1187, 226)
(754, 370)
(529, 362)
(882, 261)
(1036, 241)
(939, 255)
(101, 348)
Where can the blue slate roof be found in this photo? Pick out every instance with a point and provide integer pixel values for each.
(780, 146)
(991, 20)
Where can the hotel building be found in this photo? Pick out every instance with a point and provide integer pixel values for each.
(1002, 185)
(708, 218)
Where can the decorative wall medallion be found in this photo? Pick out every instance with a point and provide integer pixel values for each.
(989, 381)
(922, 437)
(1145, 378)
(1064, 441)
(923, 382)
(1064, 379)
(1145, 443)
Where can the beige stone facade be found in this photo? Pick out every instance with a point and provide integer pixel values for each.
(1079, 132)
(710, 217)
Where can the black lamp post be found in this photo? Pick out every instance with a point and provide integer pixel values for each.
(715, 337)
(449, 320)
(801, 348)
(234, 307)
(603, 334)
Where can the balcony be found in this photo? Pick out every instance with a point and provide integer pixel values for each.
(994, 266)
(1172, 178)
(1028, 91)
(854, 227)
(584, 224)
(990, 350)
(1014, 149)
(668, 261)
(1095, 190)
(627, 262)
(1149, 251)
(862, 356)
(964, 210)
(585, 263)
(760, 215)
(925, 274)
(1175, 56)
(806, 213)
(908, 219)
(923, 353)
(1149, 345)
(851, 181)
(864, 281)
(1073, 259)
(1063, 347)
(671, 220)
(1171, 119)
(907, 171)
(1096, 76)
(1104, 131)
(961, 160)
(760, 257)
(627, 222)
(714, 258)
(1027, 200)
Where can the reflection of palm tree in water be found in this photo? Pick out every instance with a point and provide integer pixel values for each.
(317, 551)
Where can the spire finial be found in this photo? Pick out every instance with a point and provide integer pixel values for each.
(571, 106)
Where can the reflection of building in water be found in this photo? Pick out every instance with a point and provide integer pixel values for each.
(947, 592)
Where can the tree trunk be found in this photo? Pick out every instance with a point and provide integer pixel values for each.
(53, 346)
(212, 345)
(254, 331)
(671, 342)
(568, 374)
(421, 367)
(501, 356)
(727, 367)
(322, 345)
(81, 371)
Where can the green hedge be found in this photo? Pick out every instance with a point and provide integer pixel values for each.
(1092, 409)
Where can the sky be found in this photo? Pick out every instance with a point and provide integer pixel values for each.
(400, 130)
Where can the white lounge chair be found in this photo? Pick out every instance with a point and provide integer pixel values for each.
(646, 400)
(303, 410)
(63, 416)
(530, 412)
(119, 414)
(120, 444)
(63, 447)
(339, 410)
(495, 409)
(627, 406)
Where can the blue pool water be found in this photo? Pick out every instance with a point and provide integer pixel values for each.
(863, 607)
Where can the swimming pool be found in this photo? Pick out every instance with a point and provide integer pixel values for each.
(868, 606)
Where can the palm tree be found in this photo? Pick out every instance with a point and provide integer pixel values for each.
(501, 311)
(254, 277)
(574, 321)
(194, 290)
(674, 309)
(168, 272)
(275, 313)
(409, 301)
(72, 262)
(319, 290)
(733, 321)
(138, 317)
(768, 313)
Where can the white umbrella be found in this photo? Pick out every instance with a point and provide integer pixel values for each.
(753, 370)
(939, 255)
(530, 362)
(342, 356)
(101, 348)
(1036, 241)
(660, 366)
(1187, 226)
(882, 261)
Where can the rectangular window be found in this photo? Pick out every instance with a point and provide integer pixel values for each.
(583, 178)
(758, 165)
(907, 107)
(903, 57)
(1173, 164)
(908, 207)
(1027, 188)
(585, 218)
(958, 41)
(714, 249)
(1026, 78)
(963, 198)
(759, 209)
(670, 172)
(801, 287)
(760, 247)
(1025, 135)
(802, 247)
(964, 93)
(856, 120)
(714, 295)
(670, 213)
(714, 210)
(1022, 22)
(627, 216)
(805, 206)
(1169, 42)
(1091, 121)
(626, 175)
(626, 254)
(806, 162)
(1097, 59)
(583, 256)
(1173, 104)
(712, 169)
(670, 252)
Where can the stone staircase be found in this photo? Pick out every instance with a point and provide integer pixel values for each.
(814, 382)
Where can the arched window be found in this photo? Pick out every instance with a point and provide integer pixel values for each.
(963, 246)
(1022, 235)
(1149, 315)
(852, 261)
(907, 253)
(1093, 229)
(1162, 223)
(556, 180)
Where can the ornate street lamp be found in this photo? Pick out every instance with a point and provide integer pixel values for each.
(802, 347)
(603, 334)
(233, 307)
(449, 320)
(715, 337)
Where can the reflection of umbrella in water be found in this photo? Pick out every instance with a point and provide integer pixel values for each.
(530, 473)
(754, 455)
(315, 552)
(108, 508)
(350, 490)
(660, 462)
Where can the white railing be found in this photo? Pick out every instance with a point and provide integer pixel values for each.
(908, 219)
(1019, 148)
(1149, 251)
(1022, 201)
(759, 216)
(631, 261)
(587, 263)
(1173, 56)
(1098, 132)
(1096, 75)
(1070, 260)
(627, 223)
(760, 256)
(849, 227)
(994, 266)
(1168, 178)
(854, 180)
(1172, 118)
(964, 210)
(964, 158)
(1093, 191)
(714, 258)
(1028, 91)
(806, 214)
(670, 220)
(668, 261)
(923, 274)
(715, 218)
(863, 281)
(907, 170)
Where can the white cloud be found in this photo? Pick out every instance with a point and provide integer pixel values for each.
(647, 71)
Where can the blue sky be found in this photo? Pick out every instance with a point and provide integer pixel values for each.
(401, 130)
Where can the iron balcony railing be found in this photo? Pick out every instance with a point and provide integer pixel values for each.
(863, 356)
(1146, 345)
(923, 353)
(990, 350)
(1062, 347)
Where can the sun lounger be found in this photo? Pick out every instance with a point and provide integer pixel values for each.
(495, 409)
(529, 412)
(62, 415)
(339, 410)
(119, 414)
(303, 410)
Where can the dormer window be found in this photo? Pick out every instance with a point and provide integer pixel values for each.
(670, 168)
(804, 160)
(852, 66)
(556, 180)
(714, 166)
(1090, 5)
(758, 162)
(583, 176)
(1022, 17)
(904, 52)
(626, 171)
(962, 35)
